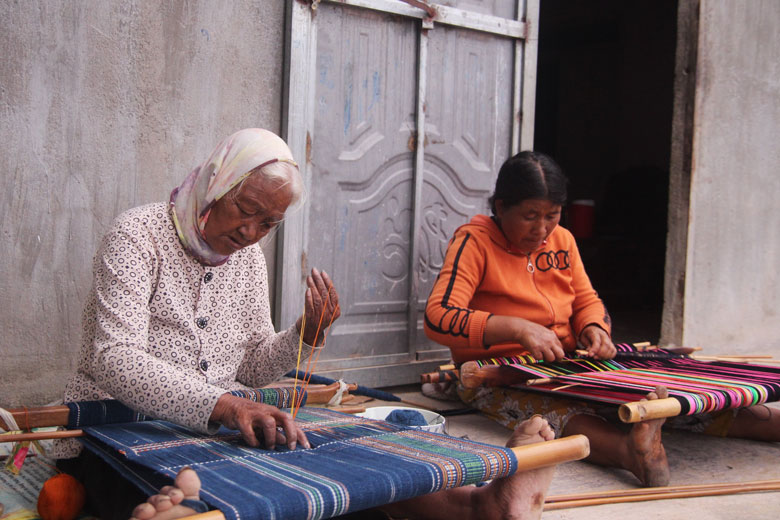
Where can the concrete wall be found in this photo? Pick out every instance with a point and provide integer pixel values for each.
(105, 106)
(732, 282)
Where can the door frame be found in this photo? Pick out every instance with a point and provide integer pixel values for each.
(298, 107)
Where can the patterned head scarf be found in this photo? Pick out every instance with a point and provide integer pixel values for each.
(230, 163)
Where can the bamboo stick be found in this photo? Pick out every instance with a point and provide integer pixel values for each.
(737, 359)
(764, 484)
(663, 494)
(652, 409)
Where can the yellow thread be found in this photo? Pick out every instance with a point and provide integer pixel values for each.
(298, 364)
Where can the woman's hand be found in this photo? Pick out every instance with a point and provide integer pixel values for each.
(322, 307)
(250, 417)
(598, 342)
(538, 340)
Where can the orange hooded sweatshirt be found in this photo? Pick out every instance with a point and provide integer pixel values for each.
(483, 275)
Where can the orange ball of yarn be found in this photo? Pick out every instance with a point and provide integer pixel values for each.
(61, 498)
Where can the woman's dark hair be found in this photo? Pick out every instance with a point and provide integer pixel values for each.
(529, 175)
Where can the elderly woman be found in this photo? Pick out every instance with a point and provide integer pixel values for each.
(179, 315)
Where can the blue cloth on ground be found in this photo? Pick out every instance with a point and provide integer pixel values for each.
(406, 418)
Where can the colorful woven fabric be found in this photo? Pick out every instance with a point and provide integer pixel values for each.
(94, 413)
(355, 463)
(699, 386)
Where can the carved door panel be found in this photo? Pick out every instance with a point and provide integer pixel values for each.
(381, 80)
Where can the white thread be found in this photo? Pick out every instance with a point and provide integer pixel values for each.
(9, 420)
(336, 399)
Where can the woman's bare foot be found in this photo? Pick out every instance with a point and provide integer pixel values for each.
(167, 504)
(649, 462)
(639, 450)
(522, 494)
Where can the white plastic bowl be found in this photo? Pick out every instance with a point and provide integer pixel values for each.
(436, 422)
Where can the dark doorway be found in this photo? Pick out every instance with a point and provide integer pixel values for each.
(604, 111)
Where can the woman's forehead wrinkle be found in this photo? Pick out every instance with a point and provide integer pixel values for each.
(263, 197)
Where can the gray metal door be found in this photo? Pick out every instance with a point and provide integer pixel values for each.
(371, 80)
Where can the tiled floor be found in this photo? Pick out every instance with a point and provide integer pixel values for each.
(694, 459)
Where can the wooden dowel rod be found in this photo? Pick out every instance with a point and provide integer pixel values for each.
(540, 381)
(550, 453)
(660, 496)
(736, 359)
(768, 484)
(40, 436)
(38, 417)
(653, 409)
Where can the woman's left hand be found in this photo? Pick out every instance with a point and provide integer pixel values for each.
(598, 342)
(322, 307)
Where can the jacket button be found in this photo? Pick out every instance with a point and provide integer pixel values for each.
(204, 365)
(208, 277)
(202, 322)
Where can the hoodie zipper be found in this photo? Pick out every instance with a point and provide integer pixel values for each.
(530, 268)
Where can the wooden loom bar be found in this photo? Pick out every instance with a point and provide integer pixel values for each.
(38, 417)
(45, 416)
(550, 453)
(473, 376)
(644, 410)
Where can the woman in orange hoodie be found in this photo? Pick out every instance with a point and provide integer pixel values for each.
(513, 283)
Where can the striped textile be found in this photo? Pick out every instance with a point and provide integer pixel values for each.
(94, 413)
(699, 386)
(355, 463)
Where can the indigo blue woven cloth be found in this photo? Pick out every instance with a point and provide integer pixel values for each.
(355, 463)
(94, 413)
